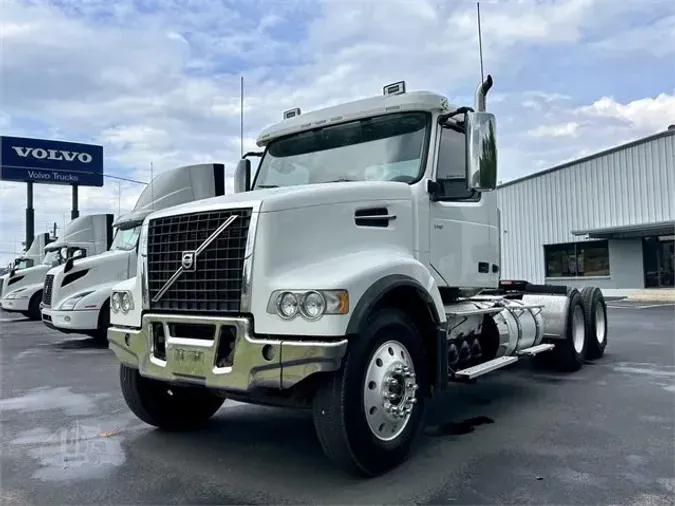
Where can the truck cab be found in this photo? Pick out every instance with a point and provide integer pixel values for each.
(34, 255)
(356, 274)
(77, 299)
(22, 290)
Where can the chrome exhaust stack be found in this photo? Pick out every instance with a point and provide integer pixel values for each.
(481, 93)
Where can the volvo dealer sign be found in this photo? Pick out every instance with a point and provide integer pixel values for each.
(50, 162)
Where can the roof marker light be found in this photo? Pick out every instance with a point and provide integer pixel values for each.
(395, 88)
(292, 113)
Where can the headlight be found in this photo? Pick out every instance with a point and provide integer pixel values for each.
(287, 305)
(115, 301)
(71, 302)
(121, 301)
(313, 305)
(127, 304)
(17, 294)
(310, 304)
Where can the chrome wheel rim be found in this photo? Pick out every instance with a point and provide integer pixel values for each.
(389, 391)
(578, 329)
(600, 322)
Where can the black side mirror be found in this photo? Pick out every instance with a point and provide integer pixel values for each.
(242, 176)
(69, 264)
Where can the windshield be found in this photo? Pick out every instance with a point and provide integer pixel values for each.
(382, 148)
(52, 258)
(24, 263)
(126, 240)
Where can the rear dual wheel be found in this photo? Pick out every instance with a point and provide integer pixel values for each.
(586, 334)
(569, 353)
(368, 414)
(596, 322)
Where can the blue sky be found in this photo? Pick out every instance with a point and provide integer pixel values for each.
(157, 81)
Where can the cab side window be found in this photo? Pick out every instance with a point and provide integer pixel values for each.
(451, 172)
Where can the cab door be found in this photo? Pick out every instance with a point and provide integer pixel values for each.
(464, 224)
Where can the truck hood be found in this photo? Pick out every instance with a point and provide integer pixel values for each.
(105, 268)
(295, 197)
(26, 277)
(110, 260)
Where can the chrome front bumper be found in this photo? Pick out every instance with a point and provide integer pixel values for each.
(277, 364)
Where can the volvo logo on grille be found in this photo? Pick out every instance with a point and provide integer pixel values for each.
(188, 261)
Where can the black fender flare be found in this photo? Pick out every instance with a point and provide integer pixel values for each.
(376, 292)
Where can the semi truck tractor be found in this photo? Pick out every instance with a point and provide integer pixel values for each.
(76, 298)
(83, 236)
(35, 254)
(356, 275)
(32, 256)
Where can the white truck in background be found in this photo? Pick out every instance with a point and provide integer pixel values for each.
(34, 255)
(357, 275)
(83, 236)
(76, 297)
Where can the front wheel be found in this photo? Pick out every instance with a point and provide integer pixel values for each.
(34, 311)
(169, 407)
(368, 414)
(100, 335)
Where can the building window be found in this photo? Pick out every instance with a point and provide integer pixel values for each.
(579, 259)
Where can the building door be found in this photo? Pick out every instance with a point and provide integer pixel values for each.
(659, 261)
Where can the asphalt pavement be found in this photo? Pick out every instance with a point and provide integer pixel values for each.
(603, 435)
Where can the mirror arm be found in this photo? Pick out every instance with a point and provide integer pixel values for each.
(443, 118)
(254, 153)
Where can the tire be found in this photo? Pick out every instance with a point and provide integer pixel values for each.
(34, 311)
(100, 336)
(340, 407)
(568, 356)
(596, 321)
(168, 407)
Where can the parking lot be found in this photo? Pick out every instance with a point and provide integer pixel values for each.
(599, 436)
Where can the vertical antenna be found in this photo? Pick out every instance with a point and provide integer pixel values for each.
(241, 126)
(119, 198)
(480, 44)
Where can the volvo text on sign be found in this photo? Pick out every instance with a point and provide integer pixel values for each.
(52, 162)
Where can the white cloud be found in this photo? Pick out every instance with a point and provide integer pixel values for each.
(569, 129)
(158, 82)
(645, 114)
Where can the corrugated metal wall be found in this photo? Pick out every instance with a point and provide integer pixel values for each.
(630, 186)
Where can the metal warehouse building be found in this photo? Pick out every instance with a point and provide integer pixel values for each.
(606, 220)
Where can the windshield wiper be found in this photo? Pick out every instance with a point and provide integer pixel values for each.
(267, 186)
(342, 180)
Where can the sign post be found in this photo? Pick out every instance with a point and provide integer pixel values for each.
(46, 161)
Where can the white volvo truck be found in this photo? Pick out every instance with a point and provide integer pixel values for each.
(83, 236)
(358, 275)
(34, 255)
(77, 299)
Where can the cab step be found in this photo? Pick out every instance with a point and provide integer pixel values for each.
(484, 368)
(534, 350)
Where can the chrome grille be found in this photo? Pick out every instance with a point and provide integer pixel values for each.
(215, 285)
(47, 290)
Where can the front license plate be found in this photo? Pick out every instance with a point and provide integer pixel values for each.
(188, 361)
